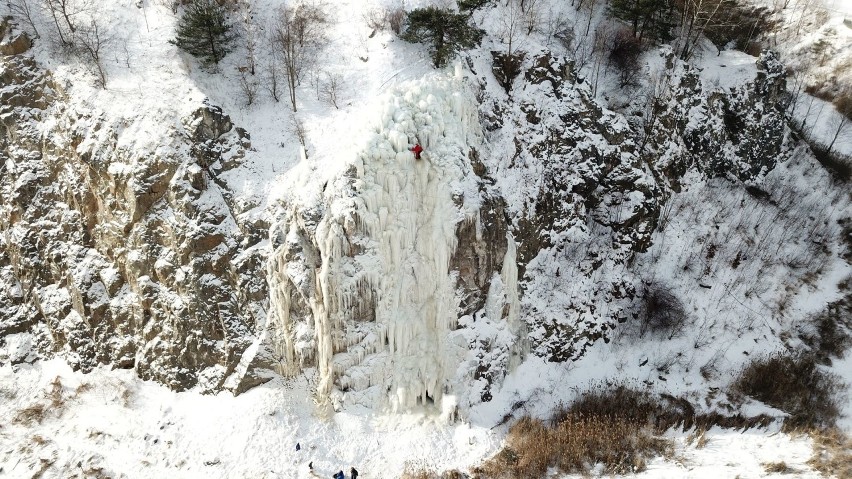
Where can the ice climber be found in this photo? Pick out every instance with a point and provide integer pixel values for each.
(417, 149)
(354, 473)
(298, 447)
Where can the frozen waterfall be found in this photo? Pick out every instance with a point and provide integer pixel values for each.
(374, 271)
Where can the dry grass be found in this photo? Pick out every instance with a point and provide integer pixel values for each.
(832, 453)
(31, 415)
(426, 474)
(597, 429)
(796, 385)
(828, 89)
(575, 445)
(83, 388)
(55, 394)
(611, 426)
(699, 437)
(777, 468)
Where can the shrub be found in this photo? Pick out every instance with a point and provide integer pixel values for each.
(204, 32)
(658, 312)
(828, 334)
(445, 31)
(396, 18)
(796, 385)
(740, 24)
(506, 67)
(624, 52)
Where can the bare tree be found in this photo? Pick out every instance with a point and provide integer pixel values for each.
(599, 54)
(697, 17)
(376, 18)
(249, 35)
(92, 40)
(556, 26)
(25, 10)
(396, 18)
(511, 25)
(63, 13)
(330, 89)
(273, 78)
(658, 94)
(298, 36)
(248, 86)
(796, 92)
(838, 124)
(297, 128)
(532, 14)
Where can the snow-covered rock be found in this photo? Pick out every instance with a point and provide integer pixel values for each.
(119, 253)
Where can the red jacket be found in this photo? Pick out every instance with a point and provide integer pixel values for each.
(417, 149)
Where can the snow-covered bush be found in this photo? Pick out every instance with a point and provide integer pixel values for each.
(506, 67)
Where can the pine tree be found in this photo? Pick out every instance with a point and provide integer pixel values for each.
(204, 32)
(468, 6)
(648, 18)
(446, 31)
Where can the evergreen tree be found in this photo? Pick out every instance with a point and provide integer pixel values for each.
(649, 18)
(468, 6)
(447, 32)
(204, 32)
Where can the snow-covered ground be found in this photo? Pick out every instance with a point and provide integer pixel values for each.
(70, 424)
(130, 428)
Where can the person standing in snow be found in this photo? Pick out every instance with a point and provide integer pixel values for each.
(298, 447)
(417, 149)
(354, 473)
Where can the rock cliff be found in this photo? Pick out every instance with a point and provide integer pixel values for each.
(405, 282)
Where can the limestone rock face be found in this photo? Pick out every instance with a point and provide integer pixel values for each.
(584, 186)
(12, 42)
(577, 194)
(734, 134)
(116, 254)
(481, 244)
